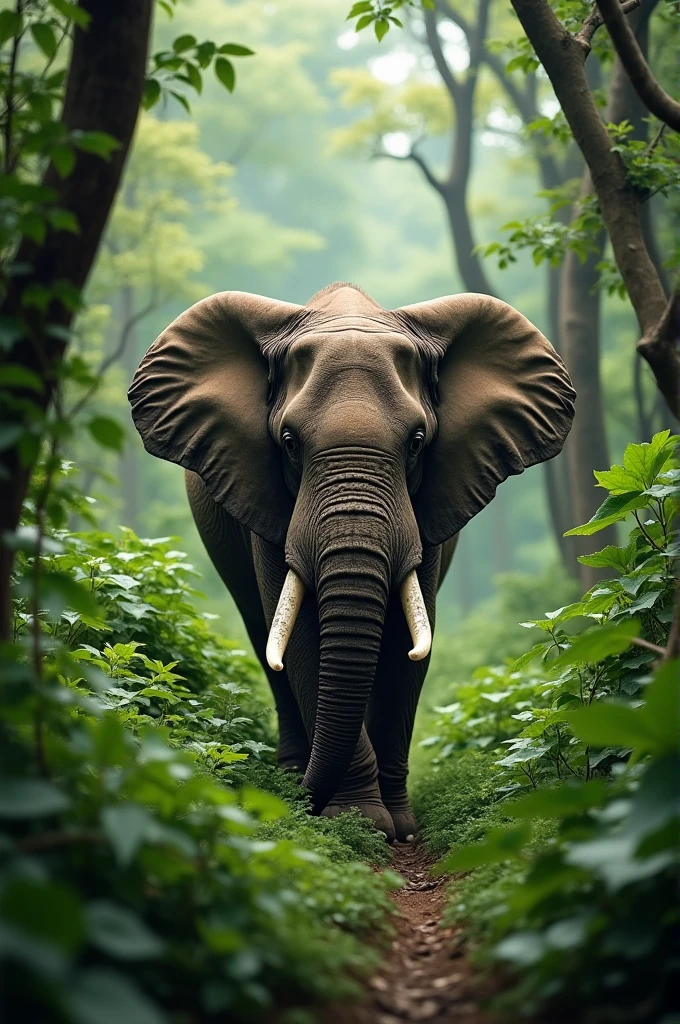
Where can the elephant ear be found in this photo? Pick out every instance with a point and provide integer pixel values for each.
(505, 403)
(199, 398)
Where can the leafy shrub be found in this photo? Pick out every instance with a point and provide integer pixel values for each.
(573, 883)
(143, 875)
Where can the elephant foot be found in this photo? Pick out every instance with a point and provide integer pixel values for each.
(405, 826)
(373, 809)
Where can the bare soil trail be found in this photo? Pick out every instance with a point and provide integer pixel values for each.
(425, 976)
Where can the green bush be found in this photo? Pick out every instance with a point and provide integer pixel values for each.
(573, 847)
(154, 864)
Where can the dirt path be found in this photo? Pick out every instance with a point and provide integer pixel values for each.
(425, 976)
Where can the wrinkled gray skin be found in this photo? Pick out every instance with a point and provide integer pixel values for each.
(351, 395)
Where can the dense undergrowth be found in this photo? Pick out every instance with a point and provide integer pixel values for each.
(154, 864)
(554, 781)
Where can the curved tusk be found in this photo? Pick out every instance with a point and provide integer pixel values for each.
(416, 617)
(287, 609)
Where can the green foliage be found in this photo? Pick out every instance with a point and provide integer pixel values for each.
(573, 843)
(149, 868)
(380, 14)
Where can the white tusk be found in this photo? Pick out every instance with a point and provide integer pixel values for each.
(416, 617)
(287, 609)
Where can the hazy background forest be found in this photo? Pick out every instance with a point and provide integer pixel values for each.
(279, 190)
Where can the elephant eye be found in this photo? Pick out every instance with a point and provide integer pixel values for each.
(416, 443)
(290, 444)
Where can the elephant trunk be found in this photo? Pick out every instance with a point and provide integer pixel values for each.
(352, 592)
(354, 521)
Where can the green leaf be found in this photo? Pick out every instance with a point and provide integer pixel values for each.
(194, 77)
(606, 724)
(151, 94)
(382, 27)
(100, 996)
(598, 643)
(13, 375)
(613, 510)
(64, 160)
(182, 43)
(559, 802)
(205, 53)
(45, 38)
(30, 798)
(610, 557)
(362, 7)
(63, 220)
(107, 432)
(119, 932)
(68, 594)
(47, 911)
(11, 24)
(100, 143)
(500, 844)
(529, 656)
(126, 826)
(225, 72)
(234, 50)
(72, 11)
(661, 713)
(364, 21)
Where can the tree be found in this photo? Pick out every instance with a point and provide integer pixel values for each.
(61, 175)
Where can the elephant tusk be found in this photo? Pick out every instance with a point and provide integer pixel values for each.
(416, 617)
(287, 609)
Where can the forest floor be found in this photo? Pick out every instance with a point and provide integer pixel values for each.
(425, 976)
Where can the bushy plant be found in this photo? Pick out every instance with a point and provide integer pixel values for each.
(581, 832)
(154, 864)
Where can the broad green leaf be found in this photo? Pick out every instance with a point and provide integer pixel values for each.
(598, 643)
(151, 94)
(107, 432)
(13, 375)
(558, 802)
(661, 713)
(182, 43)
(100, 143)
(610, 557)
(126, 826)
(119, 932)
(382, 27)
(500, 844)
(73, 11)
(45, 38)
(645, 461)
(45, 910)
(234, 50)
(11, 24)
(224, 70)
(30, 798)
(606, 724)
(362, 7)
(529, 656)
(64, 159)
(98, 995)
(618, 480)
(613, 510)
(59, 589)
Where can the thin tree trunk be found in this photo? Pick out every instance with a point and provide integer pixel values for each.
(129, 461)
(103, 93)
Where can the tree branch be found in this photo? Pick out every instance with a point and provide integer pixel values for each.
(656, 99)
(417, 159)
(595, 21)
(563, 58)
(453, 87)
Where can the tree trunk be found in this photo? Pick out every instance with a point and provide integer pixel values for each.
(103, 93)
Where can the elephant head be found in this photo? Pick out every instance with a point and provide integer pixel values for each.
(351, 436)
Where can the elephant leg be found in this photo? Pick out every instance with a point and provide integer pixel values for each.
(360, 787)
(394, 700)
(229, 546)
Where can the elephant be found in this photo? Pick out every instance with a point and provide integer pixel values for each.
(333, 452)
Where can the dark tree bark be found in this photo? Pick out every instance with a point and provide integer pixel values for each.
(103, 93)
(563, 58)
(632, 56)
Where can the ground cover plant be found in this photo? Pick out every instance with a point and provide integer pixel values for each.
(154, 862)
(556, 777)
